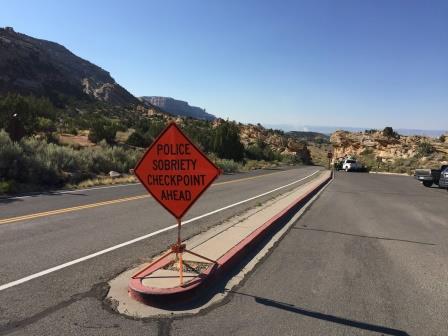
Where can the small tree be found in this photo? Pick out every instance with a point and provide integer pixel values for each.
(227, 143)
(102, 130)
(442, 138)
(19, 114)
(45, 125)
(389, 132)
(138, 140)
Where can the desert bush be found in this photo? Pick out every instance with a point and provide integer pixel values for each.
(11, 157)
(6, 187)
(37, 163)
(254, 152)
(261, 151)
(101, 160)
(228, 166)
(425, 149)
(290, 159)
(102, 129)
(137, 139)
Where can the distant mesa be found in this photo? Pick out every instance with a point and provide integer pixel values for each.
(34, 66)
(309, 136)
(177, 107)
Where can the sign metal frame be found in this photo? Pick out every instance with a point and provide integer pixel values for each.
(178, 248)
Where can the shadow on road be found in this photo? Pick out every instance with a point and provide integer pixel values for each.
(325, 317)
(11, 199)
(386, 193)
(7, 200)
(363, 236)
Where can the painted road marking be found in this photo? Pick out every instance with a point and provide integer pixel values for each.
(71, 191)
(98, 204)
(152, 234)
(76, 208)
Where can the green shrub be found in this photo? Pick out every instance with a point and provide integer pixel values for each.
(6, 187)
(137, 139)
(291, 159)
(103, 130)
(35, 162)
(425, 149)
(227, 143)
(261, 151)
(45, 125)
(228, 166)
(254, 152)
(11, 157)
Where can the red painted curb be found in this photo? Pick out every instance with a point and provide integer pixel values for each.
(164, 296)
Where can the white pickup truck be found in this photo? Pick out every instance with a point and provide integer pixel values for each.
(351, 165)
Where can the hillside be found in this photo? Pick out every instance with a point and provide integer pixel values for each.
(177, 107)
(65, 122)
(395, 153)
(258, 143)
(34, 66)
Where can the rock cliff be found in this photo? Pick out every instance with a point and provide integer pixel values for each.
(178, 107)
(276, 140)
(34, 66)
(374, 146)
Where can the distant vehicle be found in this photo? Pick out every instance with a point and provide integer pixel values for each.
(432, 176)
(351, 165)
(443, 181)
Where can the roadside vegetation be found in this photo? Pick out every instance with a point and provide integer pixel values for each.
(43, 146)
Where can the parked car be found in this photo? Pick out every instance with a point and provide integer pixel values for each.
(351, 165)
(443, 181)
(431, 176)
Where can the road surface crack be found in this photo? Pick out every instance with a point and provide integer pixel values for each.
(98, 290)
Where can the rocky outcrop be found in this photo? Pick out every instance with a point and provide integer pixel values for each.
(178, 107)
(277, 141)
(34, 66)
(389, 149)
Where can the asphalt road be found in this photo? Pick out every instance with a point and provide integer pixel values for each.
(43, 231)
(368, 258)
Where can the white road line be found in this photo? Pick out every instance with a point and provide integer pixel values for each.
(74, 191)
(152, 234)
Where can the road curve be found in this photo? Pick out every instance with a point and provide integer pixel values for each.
(31, 245)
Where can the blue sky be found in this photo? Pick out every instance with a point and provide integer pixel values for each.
(336, 63)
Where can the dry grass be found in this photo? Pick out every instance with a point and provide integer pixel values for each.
(258, 164)
(123, 136)
(80, 140)
(105, 180)
(319, 154)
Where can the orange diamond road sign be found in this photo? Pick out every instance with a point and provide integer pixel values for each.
(174, 171)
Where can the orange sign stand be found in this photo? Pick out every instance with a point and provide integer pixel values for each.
(176, 173)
